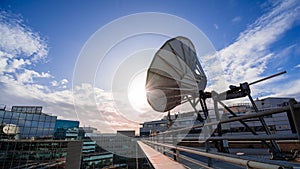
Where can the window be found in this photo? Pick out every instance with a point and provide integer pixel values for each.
(22, 116)
(7, 115)
(34, 123)
(28, 109)
(39, 109)
(47, 124)
(28, 123)
(36, 117)
(53, 119)
(26, 130)
(52, 125)
(48, 118)
(21, 122)
(14, 121)
(15, 115)
(33, 131)
(41, 124)
(39, 131)
(29, 116)
(42, 118)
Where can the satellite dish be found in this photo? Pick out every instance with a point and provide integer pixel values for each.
(11, 129)
(174, 75)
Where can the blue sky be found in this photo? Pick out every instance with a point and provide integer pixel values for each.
(40, 42)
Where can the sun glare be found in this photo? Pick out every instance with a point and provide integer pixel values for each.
(137, 93)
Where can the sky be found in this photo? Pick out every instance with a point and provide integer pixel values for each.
(43, 47)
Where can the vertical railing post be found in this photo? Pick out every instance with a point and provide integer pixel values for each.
(296, 116)
(207, 149)
(163, 141)
(174, 154)
(177, 155)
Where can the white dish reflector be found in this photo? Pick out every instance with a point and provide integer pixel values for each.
(174, 74)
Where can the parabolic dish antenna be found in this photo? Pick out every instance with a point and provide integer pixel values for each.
(175, 75)
(11, 129)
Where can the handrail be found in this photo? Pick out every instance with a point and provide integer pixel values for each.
(238, 161)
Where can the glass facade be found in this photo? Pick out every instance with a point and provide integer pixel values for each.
(97, 160)
(66, 129)
(32, 139)
(29, 125)
(33, 153)
(27, 109)
(27, 140)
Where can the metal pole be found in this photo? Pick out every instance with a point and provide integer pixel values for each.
(266, 78)
(274, 146)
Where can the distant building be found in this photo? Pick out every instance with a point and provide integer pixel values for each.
(150, 127)
(30, 138)
(180, 120)
(124, 148)
(277, 123)
(31, 122)
(271, 103)
(129, 133)
(87, 130)
(26, 140)
(66, 129)
(93, 156)
(28, 153)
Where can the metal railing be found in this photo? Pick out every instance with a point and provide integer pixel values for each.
(229, 158)
(171, 140)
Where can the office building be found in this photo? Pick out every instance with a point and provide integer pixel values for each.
(66, 130)
(93, 156)
(26, 140)
(29, 122)
(128, 133)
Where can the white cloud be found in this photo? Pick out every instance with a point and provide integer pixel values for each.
(28, 75)
(20, 47)
(17, 39)
(288, 89)
(64, 81)
(20, 50)
(246, 59)
(17, 64)
(236, 19)
(216, 26)
(297, 66)
(54, 83)
(61, 84)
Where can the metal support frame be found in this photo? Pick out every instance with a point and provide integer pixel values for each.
(275, 149)
(242, 91)
(237, 92)
(194, 103)
(244, 123)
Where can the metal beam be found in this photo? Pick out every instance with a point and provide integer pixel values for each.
(258, 114)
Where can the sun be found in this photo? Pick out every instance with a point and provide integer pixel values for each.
(137, 93)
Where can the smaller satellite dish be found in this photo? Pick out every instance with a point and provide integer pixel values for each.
(174, 75)
(11, 129)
